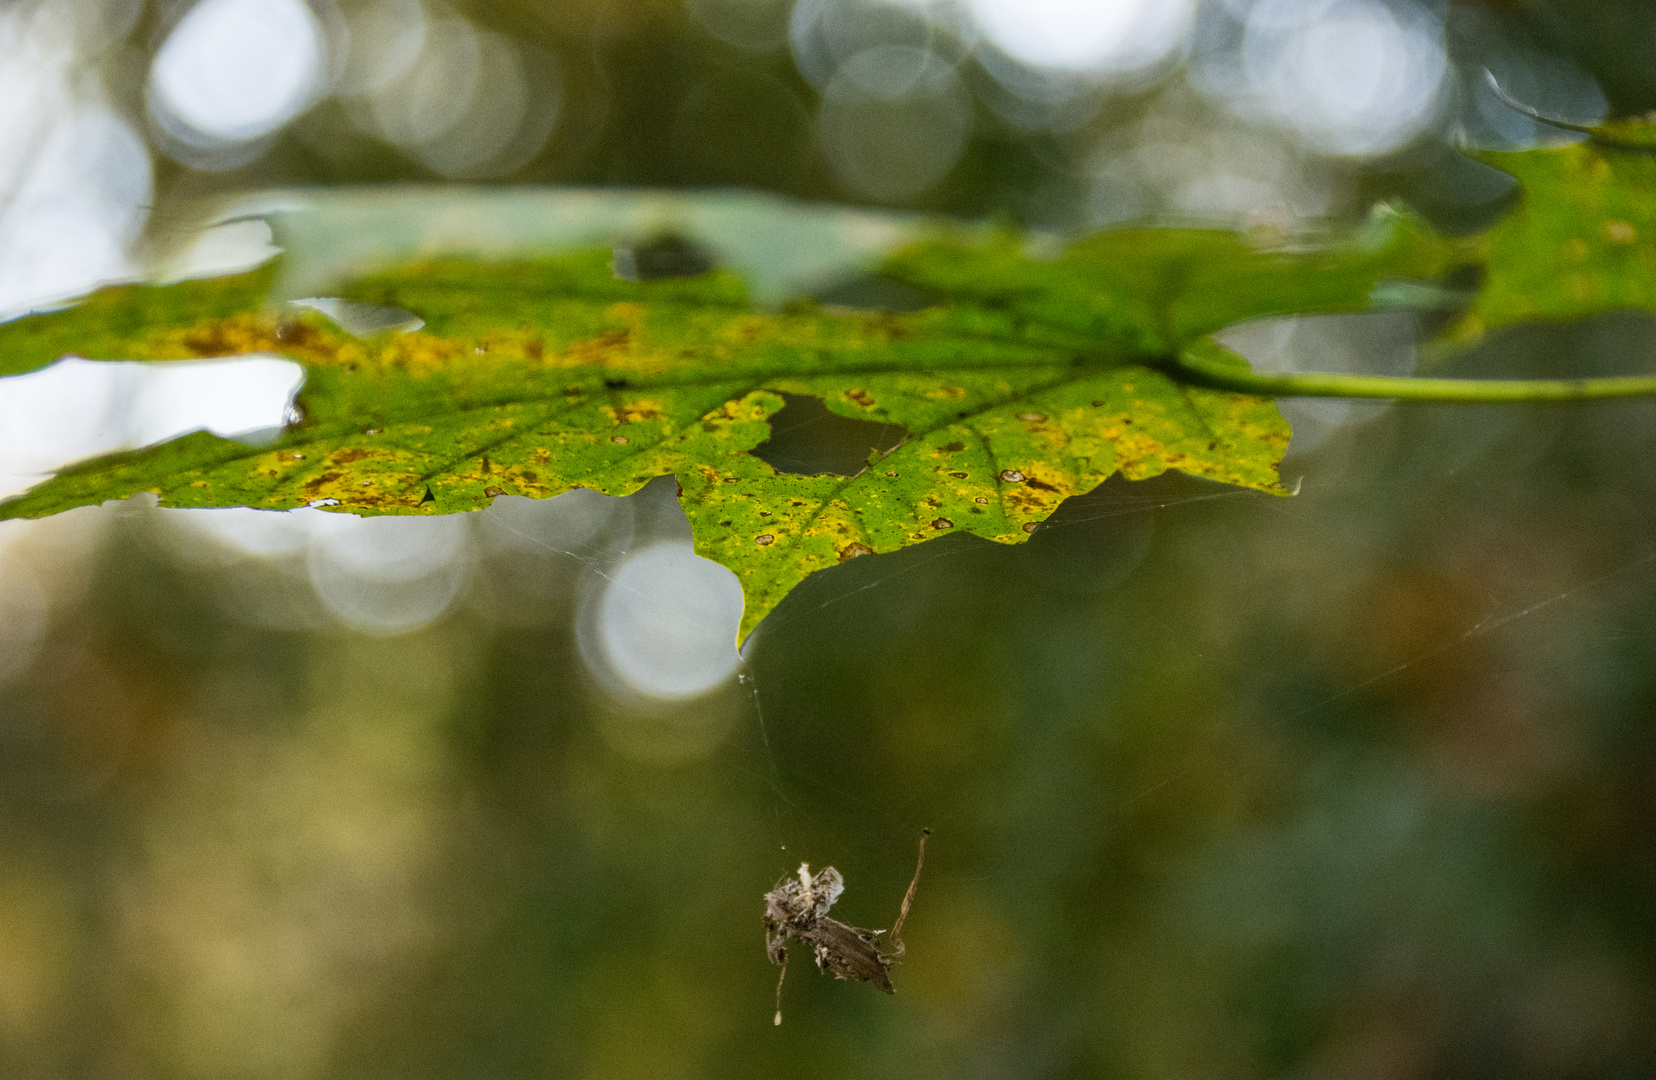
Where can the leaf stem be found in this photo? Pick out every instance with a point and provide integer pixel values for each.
(1223, 376)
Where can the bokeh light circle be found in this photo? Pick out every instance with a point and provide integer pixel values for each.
(1086, 35)
(386, 38)
(235, 70)
(894, 121)
(244, 532)
(667, 623)
(388, 575)
(1350, 77)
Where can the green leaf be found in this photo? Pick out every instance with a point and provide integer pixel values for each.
(216, 317)
(1581, 242)
(1036, 374)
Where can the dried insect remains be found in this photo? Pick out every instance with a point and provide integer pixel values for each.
(798, 908)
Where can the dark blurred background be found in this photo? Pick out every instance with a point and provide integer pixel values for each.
(1360, 784)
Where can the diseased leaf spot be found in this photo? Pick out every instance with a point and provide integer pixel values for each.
(981, 500)
(854, 550)
(492, 492)
(1012, 476)
(942, 523)
(618, 439)
(764, 539)
(958, 475)
(953, 448)
(1032, 417)
(1031, 526)
(1619, 232)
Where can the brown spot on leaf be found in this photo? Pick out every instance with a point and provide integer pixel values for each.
(953, 448)
(980, 500)
(1041, 485)
(852, 551)
(1012, 476)
(942, 523)
(861, 397)
(492, 492)
(349, 455)
(1032, 417)
(1031, 526)
(618, 438)
(764, 539)
(635, 411)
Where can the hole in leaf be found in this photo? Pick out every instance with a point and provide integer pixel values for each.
(363, 320)
(664, 256)
(807, 438)
(870, 292)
